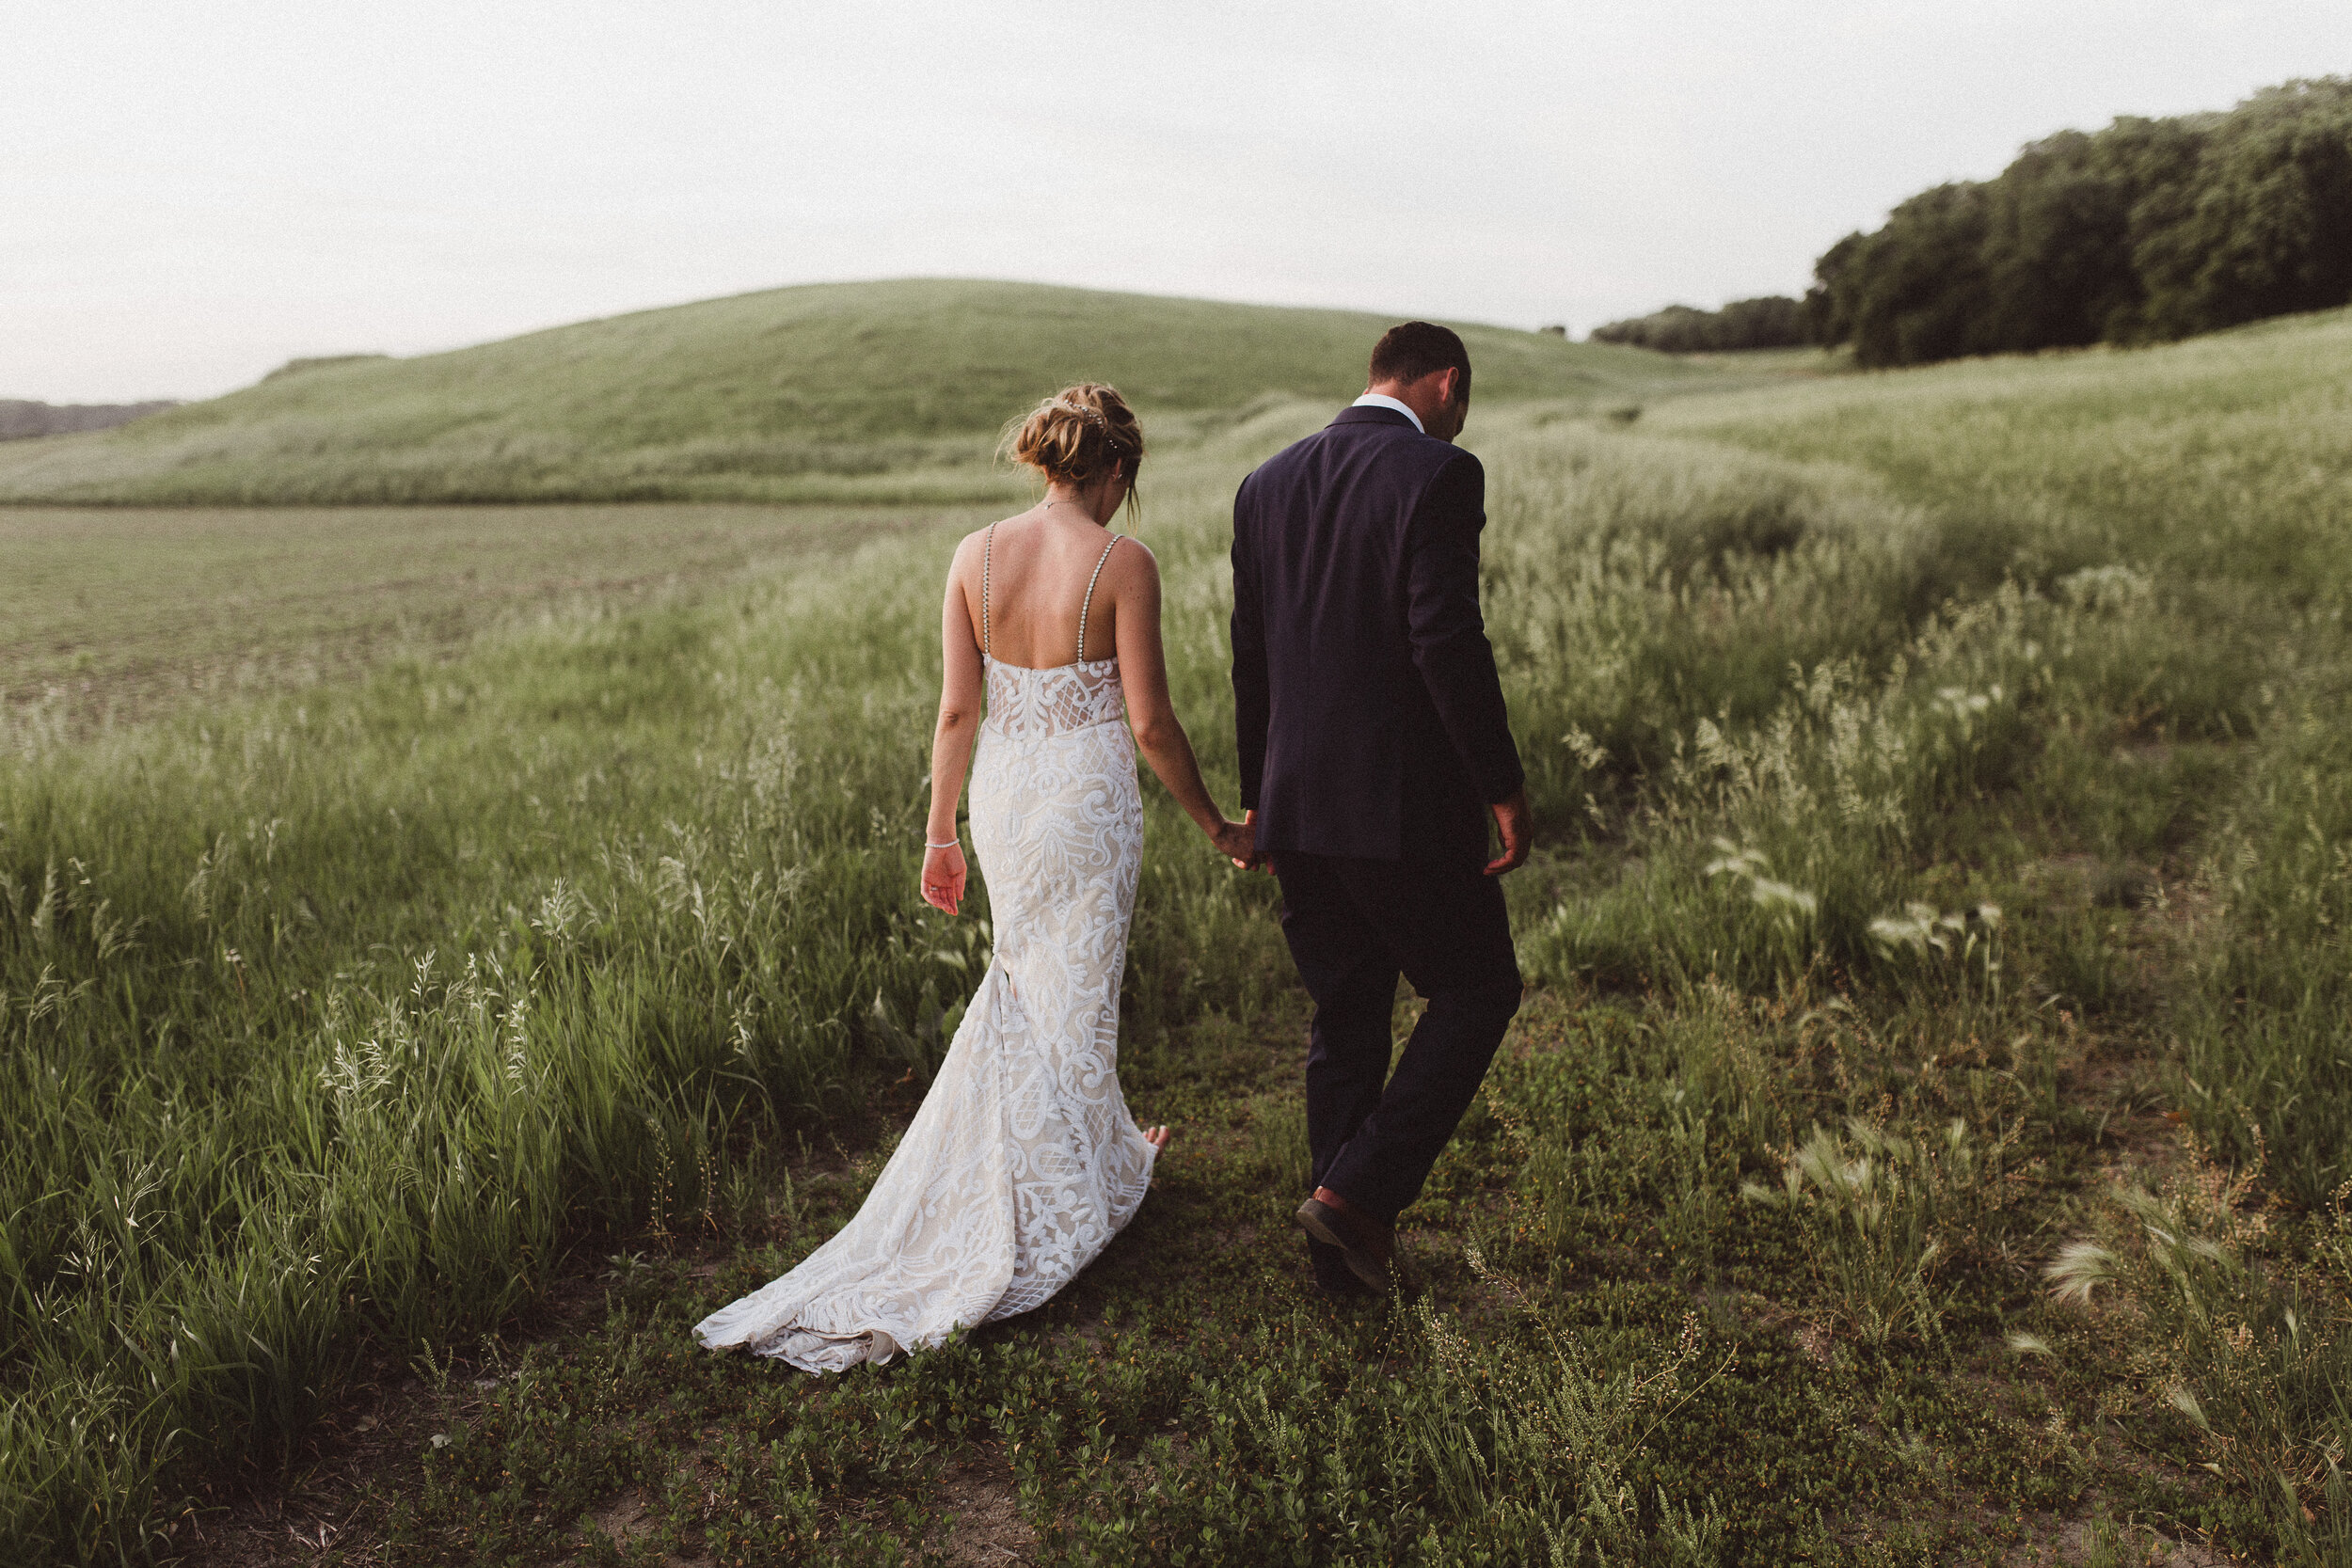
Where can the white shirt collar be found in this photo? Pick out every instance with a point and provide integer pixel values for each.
(1382, 400)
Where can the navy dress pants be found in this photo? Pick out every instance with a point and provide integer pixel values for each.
(1353, 926)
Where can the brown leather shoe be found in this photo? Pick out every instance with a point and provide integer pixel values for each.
(1369, 1246)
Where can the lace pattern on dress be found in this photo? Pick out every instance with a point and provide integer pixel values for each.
(1027, 705)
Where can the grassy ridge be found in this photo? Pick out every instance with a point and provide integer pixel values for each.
(823, 392)
(1920, 822)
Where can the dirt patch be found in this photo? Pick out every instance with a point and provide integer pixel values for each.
(2088, 1538)
(985, 1526)
(627, 1519)
(320, 1503)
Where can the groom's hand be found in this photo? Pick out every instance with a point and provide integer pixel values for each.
(1518, 834)
(1238, 841)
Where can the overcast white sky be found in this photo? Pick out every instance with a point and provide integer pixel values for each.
(193, 191)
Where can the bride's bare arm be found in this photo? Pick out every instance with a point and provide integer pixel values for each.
(1159, 734)
(943, 869)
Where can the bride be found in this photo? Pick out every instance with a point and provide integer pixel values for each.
(1022, 1162)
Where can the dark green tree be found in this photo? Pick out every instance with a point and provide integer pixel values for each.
(1829, 304)
(2267, 228)
(2058, 247)
(1917, 289)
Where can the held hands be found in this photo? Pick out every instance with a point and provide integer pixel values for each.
(1237, 841)
(943, 877)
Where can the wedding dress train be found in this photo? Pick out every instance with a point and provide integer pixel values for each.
(1022, 1162)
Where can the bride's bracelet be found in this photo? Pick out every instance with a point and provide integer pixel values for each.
(951, 843)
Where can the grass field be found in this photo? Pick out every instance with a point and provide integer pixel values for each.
(111, 613)
(1927, 1141)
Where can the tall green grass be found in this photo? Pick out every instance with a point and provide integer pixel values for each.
(2198, 501)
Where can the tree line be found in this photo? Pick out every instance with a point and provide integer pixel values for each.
(2147, 230)
(1775, 321)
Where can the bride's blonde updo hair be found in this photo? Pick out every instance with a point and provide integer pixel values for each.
(1077, 434)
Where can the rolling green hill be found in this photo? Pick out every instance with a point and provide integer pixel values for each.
(829, 391)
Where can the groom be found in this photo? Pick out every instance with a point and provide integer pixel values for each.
(1373, 749)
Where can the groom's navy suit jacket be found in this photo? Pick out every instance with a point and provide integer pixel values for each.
(1370, 717)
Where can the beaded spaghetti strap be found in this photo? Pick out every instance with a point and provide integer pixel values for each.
(1089, 598)
(988, 553)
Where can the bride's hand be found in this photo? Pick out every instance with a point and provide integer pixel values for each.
(942, 877)
(1237, 842)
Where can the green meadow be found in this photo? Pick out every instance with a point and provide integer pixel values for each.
(1926, 1140)
(109, 614)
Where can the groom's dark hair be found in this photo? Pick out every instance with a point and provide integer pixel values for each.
(1414, 349)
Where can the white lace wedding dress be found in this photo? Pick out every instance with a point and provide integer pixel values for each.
(1022, 1162)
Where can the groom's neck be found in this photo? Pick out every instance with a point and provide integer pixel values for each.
(1426, 396)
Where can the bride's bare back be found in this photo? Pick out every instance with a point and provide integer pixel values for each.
(1042, 574)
